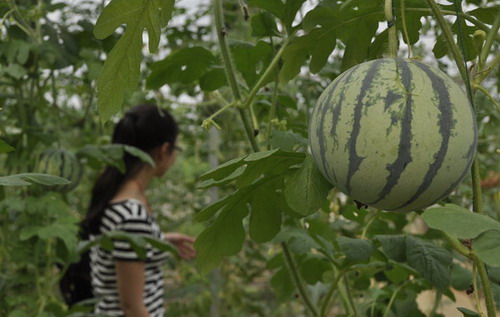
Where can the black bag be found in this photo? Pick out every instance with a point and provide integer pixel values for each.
(75, 284)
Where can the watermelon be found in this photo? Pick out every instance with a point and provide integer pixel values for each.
(394, 134)
(61, 163)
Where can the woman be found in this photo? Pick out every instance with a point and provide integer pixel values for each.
(125, 284)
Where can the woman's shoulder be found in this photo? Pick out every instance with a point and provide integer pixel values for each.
(126, 209)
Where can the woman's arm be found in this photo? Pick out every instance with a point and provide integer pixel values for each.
(130, 276)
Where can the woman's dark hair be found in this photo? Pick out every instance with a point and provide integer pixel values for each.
(145, 127)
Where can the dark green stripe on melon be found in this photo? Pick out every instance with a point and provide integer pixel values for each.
(354, 159)
(445, 125)
(404, 151)
(346, 76)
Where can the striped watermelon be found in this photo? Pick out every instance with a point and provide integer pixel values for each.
(393, 134)
(61, 163)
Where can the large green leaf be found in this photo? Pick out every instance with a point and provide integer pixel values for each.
(458, 221)
(265, 218)
(25, 179)
(249, 168)
(185, 66)
(223, 237)
(286, 11)
(4, 147)
(430, 260)
(213, 79)
(394, 246)
(112, 155)
(252, 60)
(313, 268)
(306, 189)
(487, 247)
(461, 278)
(121, 71)
(263, 25)
(355, 250)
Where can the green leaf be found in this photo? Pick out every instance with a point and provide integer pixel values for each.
(265, 217)
(161, 245)
(413, 25)
(223, 237)
(286, 12)
(185, 65)
(252, 60)
(458, 221)
(143, 156)
(306, 189)
(212, 209)
(394, 247)
(313, 268)
(112, 155)
(486, 14)
(263, 25)
(121, 71)
(355, 250)
(257, 164)
(358, 44)
(294, 57)
(461, 278)
(213, 79)
(441, 47)
(68, 233)
(283, 285)
(487, 247)
(467, 312)
(16, 71)
(287, 140)
(25, 179)
(5, 148)
(299, 241)
(379, 47)
(430, 260)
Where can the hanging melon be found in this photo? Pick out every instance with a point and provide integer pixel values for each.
(393, 134)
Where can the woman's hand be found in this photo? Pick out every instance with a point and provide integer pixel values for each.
(183, 243)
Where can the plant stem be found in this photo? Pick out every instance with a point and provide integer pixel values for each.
(221, 36)
(487, 94)
(455, 52)
(368, 224)
(328, 296)
(487, 71)
(297, 279)
(477, 302)
(393, 297)
(477, 203)
(267, 73)
(483, 275)
(391, 24)
(435, 306)
(489, 40)
(405, 30)
(272, 113)
(352, 309)
(486, 286)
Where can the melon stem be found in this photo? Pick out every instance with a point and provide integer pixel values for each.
(391, 25)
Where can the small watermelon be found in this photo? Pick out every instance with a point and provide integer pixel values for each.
(61, 163)
(393, 134)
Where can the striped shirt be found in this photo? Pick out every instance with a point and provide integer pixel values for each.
(128, 216)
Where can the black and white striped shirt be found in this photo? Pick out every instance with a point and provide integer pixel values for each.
(129, 216)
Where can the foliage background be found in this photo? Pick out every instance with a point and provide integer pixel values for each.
(50, 63)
